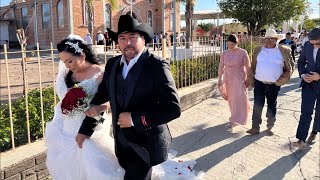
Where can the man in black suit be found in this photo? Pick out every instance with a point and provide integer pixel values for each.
(289, 43)
(143, 98)
(309, 71)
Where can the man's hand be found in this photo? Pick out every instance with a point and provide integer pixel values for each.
(124, 120)
(80, 139)
(306, 78)
(314, 76)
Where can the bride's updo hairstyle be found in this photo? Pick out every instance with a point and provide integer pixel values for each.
(75, 45)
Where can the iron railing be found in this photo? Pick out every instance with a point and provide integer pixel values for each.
(28, 89)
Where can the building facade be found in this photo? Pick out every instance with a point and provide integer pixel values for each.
(47, 21)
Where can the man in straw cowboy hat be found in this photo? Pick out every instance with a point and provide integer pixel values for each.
(309, 71)
(271, 67)
(143, 98)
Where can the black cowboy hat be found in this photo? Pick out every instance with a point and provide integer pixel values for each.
(129, 24)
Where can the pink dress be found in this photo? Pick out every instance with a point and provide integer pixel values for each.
(233, 70)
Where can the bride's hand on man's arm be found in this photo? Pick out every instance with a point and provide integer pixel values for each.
(96, 110)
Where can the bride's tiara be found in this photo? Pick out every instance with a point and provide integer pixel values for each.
(75, 46)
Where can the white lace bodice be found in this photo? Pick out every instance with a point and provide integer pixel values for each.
(70, 124)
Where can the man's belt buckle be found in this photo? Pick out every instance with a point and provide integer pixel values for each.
(266, 82)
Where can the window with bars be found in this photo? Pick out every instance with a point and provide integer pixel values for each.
(108, 16)
(60, 14)
(86, 13)
(46, 18)
(150, 18)
(24, 17)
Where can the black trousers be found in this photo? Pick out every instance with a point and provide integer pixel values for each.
(135, 167)
(261, 92)
(310, 103)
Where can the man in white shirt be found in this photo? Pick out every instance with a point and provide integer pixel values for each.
(88, 39)
(309, 70)
(100, 38)
(271, 67)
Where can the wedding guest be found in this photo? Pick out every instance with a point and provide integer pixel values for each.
(271, 67)
(309, 70)
(88, 40)
(233, 73)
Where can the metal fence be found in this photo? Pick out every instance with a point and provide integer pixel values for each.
(28, 92)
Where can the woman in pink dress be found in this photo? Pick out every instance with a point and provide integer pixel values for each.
(233, 72)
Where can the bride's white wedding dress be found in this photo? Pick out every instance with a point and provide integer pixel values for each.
(96, 160)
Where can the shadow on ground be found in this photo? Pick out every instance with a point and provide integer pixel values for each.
(208, 161)
(200, 138)
(279, 168)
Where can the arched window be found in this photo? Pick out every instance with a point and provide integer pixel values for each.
(150, 18)
(60, 14)
(46, 18)
(108, 16)
(86, 14)
(149, 1)
(24, 17)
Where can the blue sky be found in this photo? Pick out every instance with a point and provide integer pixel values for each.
(212, 4)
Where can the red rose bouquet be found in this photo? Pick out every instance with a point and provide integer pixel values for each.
(76, 101)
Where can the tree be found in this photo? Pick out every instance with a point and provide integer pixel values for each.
(206, 27)
(317, 21)
(256, 14)
(89, 8)
(188, 17)
(309, 24)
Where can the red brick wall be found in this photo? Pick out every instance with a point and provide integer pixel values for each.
(140, 9)
(44, 35)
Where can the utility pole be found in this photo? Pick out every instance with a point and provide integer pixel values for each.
(52, 29)
(35, 24)
(174, 31)
(163, 29)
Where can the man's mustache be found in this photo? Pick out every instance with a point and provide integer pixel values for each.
(129, 46)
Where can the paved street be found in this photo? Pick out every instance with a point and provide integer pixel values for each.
(200, 134)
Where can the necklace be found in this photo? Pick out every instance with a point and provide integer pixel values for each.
(83, 70)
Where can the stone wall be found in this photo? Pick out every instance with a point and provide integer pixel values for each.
(32, 168)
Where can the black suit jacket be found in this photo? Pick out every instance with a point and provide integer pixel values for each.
(306, 64)
(152, 100)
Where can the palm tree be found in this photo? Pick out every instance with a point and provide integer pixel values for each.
(188, 17)
(89, 8)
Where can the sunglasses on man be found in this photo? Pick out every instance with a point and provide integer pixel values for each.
(315, 44)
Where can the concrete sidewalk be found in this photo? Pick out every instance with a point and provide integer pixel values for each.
(200, 134)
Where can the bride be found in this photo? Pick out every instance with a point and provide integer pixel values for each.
(96, 159)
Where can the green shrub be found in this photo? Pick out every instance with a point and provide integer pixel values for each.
(19, 118)
(191, 71)
(248, 46)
